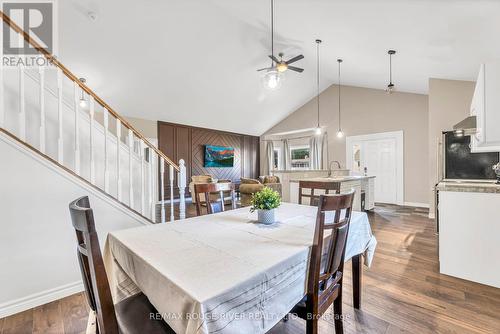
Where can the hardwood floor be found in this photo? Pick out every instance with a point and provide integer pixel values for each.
(403, 291)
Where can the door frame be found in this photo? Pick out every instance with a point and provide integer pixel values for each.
(399, 137)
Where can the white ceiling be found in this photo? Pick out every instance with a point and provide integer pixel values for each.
(194, 61)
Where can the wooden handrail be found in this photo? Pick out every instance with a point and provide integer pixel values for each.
(53, 60)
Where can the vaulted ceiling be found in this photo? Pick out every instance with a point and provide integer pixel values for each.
(195, 61)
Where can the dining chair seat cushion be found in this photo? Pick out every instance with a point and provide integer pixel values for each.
(136, 315)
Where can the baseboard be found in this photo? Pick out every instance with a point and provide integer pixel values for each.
(417, 205)
(40, 298)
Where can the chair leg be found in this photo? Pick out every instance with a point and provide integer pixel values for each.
(337, 314)
(312, 326)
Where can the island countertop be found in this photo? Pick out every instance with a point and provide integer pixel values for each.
(346, 178)
(469, 186)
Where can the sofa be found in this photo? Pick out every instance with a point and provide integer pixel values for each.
(248, 187)
(195, 179)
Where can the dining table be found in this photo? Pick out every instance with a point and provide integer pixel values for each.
(225, 272)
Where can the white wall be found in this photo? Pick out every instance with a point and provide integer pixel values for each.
(37, 241)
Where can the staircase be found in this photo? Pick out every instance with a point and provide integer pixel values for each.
(50, 112)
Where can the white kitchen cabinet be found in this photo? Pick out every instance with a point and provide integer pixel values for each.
(469, 235)
(368, 186)
(486, 107)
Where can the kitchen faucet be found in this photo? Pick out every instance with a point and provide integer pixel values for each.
(330, 167)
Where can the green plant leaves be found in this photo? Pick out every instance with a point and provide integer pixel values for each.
(266, 199)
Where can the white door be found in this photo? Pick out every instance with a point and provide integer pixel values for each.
(381, 154)
(380, 160)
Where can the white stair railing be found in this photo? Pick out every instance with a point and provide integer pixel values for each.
(83, 142)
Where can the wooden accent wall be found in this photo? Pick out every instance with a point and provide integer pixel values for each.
(179, 141)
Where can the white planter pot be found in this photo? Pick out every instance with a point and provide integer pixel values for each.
(266, 216)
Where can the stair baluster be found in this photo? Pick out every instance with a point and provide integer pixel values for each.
(41, 71)
(92, 153)
(181, 182)
(162, 185)
(141, 159)
(171, 180)
(77, 128)
(130, 169)
(22, 105)
(152, 202)
(2, 96)
(118, 145)
(60, 145)
(106, 148)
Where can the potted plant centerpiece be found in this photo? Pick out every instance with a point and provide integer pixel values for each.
(265, 202)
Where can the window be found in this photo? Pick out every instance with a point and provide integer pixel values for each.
(300, 157)
(276, 158)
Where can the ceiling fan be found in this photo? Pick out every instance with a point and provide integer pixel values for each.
(278, 66)
(282, 65)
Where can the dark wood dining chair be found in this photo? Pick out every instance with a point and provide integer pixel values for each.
(324, 284)
(214, 188)
(133, 314)
(328, 187)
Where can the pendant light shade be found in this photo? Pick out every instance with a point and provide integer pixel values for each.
(340, 133)
(318, 127)
(390, 86)
(272, 79)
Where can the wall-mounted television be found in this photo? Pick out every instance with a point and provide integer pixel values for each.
(219, 156)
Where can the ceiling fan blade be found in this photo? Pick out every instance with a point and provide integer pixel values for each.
(294, 59)
(296, 69)
(274, 59)
(263, 69)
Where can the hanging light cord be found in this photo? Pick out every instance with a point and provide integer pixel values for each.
(317, 75)
(339, 61)
(272, 32)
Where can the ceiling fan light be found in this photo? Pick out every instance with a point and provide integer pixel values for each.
(272, 79)
(281, 67)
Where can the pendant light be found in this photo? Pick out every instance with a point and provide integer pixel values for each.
(318, 128)
(83, 102)
(390, 86)
(340, 133)
(272, 79)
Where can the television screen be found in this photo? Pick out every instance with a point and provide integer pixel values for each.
(219, 156)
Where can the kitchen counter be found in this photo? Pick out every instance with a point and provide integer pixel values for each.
(465, 186)
(364, 187)
(334, 178)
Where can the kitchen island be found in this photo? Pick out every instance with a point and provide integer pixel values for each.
(361, 184)
(469, 230)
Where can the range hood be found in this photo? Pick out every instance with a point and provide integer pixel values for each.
(466, 127)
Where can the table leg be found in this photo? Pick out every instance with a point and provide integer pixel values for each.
(357, 278)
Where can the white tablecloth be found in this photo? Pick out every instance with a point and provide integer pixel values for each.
(223, 273)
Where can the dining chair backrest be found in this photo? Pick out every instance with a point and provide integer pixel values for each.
(214, 188)
(92, 266)
(326, 267)
(312, 186)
